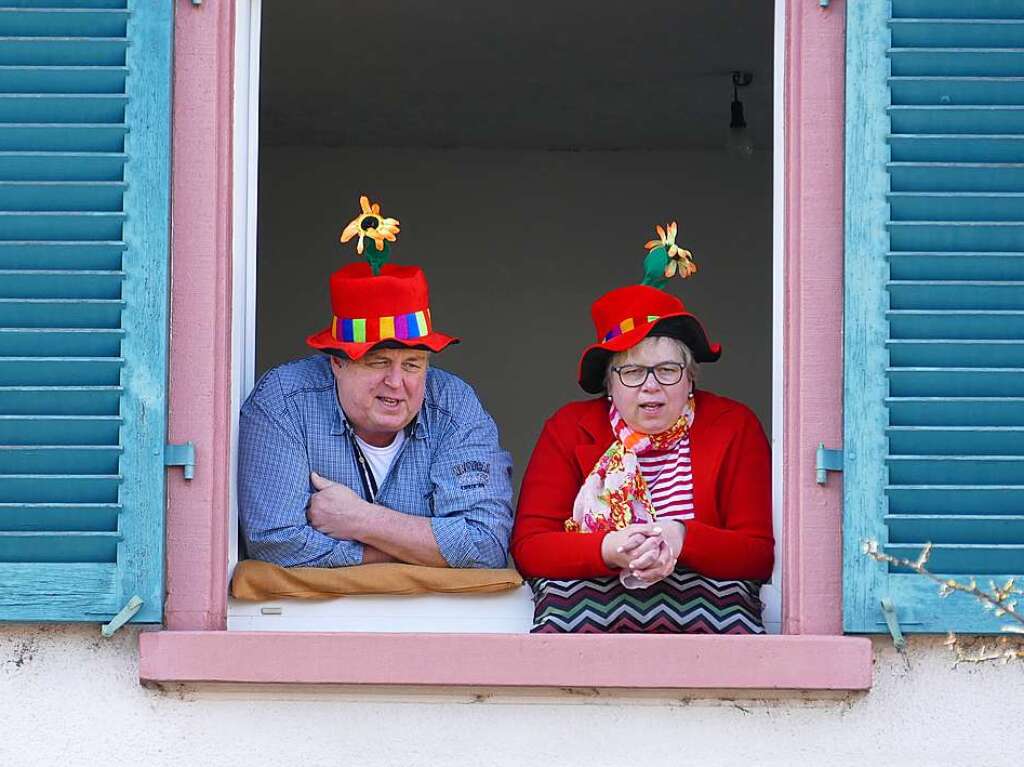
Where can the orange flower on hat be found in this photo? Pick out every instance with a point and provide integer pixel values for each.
(370, 224)
(679, 259)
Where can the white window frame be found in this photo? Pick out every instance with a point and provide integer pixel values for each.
(435, 613)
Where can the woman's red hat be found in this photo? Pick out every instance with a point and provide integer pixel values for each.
(625, 316)
(375, 303)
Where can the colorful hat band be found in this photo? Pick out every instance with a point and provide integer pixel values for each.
(627, 325)
(368, 329)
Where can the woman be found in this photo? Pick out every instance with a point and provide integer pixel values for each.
(657, 482)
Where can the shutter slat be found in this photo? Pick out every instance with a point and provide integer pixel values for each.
(955, 91)
(67, 51)
(956, 294)
(953, 440)
(965, 499)
(62, 166)
(84, 79)
(73, 312)
(62, 137)
(64, 225)
(65, 3)
(69, 546)
(950, 382)
(957, 62)
(964, 147)
(63, 22)
(955, 33)
(57, 371)
(919, 529)
(967, 469)
(955, 324)
(60, 400)
(63, 108)
(961, 353)
(956, 265)
(957, 9)
(57, 488)
(52, 342)
(53, 254)
(47, 283)
(966, 559)
(37, 430)
(62, 196)
(952, 177)
(953, 119)
(60, 459)
(955, 411)
(58, 516)
(950, 206)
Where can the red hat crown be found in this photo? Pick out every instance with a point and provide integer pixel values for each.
(377, 301)
(624, 309)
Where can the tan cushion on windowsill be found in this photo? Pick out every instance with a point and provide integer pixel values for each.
(255, 581)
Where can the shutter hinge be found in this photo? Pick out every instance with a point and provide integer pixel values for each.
(825, 460)
(197, 2)
(889, 611)
(181, 455)
(126, 614)
(821, 3)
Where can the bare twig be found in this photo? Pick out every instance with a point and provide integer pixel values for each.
(1000, 599)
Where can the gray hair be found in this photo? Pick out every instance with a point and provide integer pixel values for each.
(689, 363)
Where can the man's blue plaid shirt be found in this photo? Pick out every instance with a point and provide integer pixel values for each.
(451, 469)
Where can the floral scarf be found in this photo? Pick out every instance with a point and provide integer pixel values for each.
(615, 494)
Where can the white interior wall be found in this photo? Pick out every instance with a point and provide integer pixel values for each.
(516, 245)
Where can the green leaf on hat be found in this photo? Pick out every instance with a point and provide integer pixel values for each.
(654, 267)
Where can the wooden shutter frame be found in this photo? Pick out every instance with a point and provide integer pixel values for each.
(86, 591)
(867, 241)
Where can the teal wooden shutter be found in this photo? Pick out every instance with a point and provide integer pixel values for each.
(934, 312)
(84, 203)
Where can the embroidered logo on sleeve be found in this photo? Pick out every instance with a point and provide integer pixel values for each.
(472, 474)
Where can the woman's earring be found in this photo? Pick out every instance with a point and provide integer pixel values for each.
(608, 397)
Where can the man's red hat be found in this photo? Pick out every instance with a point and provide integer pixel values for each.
(625, 316)
(377, 303)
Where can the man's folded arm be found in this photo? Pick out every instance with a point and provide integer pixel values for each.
(273, 493)
(472, 494)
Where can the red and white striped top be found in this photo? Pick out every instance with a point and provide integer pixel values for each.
(669, 478)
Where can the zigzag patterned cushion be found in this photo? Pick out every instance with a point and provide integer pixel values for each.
(683, 603)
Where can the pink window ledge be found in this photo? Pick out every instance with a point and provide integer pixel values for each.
(509, 660)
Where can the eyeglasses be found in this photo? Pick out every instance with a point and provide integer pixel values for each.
(665, 373)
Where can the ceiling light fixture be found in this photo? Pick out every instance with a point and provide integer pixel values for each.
(738, 142)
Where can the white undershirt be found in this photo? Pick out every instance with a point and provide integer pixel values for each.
(381, 458)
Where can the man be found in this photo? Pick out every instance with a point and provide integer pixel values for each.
(366, 453)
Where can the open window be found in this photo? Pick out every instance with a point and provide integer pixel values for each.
(528, 150)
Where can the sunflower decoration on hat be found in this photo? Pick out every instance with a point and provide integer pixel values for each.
(370, 224)
(376, 303)
(665, 259)
(625, 316)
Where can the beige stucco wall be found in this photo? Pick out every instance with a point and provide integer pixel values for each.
(70, 697)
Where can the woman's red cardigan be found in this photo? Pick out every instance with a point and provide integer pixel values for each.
(731, 534)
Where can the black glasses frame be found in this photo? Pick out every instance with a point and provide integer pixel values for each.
(648, 370)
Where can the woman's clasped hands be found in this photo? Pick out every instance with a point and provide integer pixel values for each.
(645, 553)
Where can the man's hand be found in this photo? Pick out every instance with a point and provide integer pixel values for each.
(336, 510)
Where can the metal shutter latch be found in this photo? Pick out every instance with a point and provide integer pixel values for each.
(181, 455)
(826, 460)
(892, 622)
